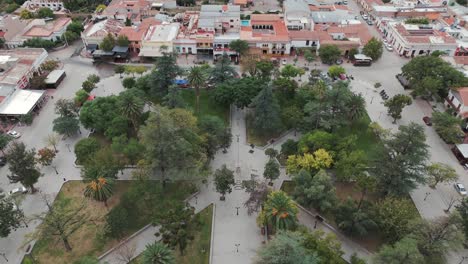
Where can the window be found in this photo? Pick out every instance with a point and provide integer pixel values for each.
(232, 20)
(307, 43)
(232, 26)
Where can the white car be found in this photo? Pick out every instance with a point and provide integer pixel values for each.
(389, 47)
(365, 17)
(460, 188)
(284, 62)
(18, 190)
(14, 134)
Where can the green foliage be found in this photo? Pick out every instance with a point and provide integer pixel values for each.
(93, 78)
(292, 116)
(25, 14)
(128, 82)
(85, 149)
(352, 52)
(326, 246)
(49, 65)
(185, 2)
(66, 125)
(45, 12)
(120, 69)
(329, 53)
(280, 211)
(174, 98)
(462, 209)
(461, 2)
(289, 147)
(158, 253)
(267, 120)
(395, 217)
(88, 86)
(400, 166)
(163, 75)
(175, 226)
(432, 76)
(350, 165)
(11, 217)
(448, 127)
(271, 171)
(130, 106)
(122, 41)
(101, 115)
(4, 141)
(80, 97)
(108, 42)
(334, 71)
(440, 172)
(417, 20)
(116, 221)
(286, 247)
(353, 218)
(45, 156)
(240, 46)
(26, 119)
(100, 8)
(87, 6)
(223, 70)
(373, 49)
(173, 145)
(396, 104)
(404, 251)
(22, 165)
(99, 189)
(11, 7)
(239, 92)
(87, 260)
(66, 108)
(309, 56)
(224, 180)
(315, 191)
(216, 134)
(75, 27)
(289, 71)
(39, 43)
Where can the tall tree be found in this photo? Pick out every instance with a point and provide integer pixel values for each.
(258, 193)
(286, 247)
(326, 245)
(401, 164)
(174, 98)
(45, 156)
(11, 217)
(158, 253)
(396, 104)
(5, 139)
(107, 43)
(197, 79)
(356, 105)
(22, 165)
(329, 53)
(216, 134)
(351, 165)
(224, 180)
(448, 127)
(271, 171)
(66, 108)
(239, 46)
(373, 49)
(119, 69)
(172, 145)
(239, 92)
(317, 191)
(100, 189)
(175, 226)
(462, 209)
(66, 125)
(440, 172)
(280, 211)
(122, 41)
(395, 217)
(436, 237)
(432, 76)
(61, 220)
(131, 107)
(163, 74)
(223, 70)
(404, 251)
(354, 219)
(267, 120)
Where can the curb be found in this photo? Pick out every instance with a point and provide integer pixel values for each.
(212, 233)
(121, 243)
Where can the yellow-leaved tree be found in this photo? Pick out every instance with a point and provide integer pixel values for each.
(318, 160)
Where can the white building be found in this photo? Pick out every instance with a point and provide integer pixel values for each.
(158, 39)
(458, 101)
(297, 15)
(220, 18)
(54, 5)
(411, 40)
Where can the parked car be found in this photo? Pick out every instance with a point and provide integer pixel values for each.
(14, 134)
(339, 61)
(3, 161)
(460, 188)
(18, 190)
(389, 47)
(365, 17)
(369, 22)
(284, 62)
(403, 81)
(385, 42)
(427, 120)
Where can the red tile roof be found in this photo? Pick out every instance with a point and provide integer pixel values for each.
(463, 92)
(136, 33)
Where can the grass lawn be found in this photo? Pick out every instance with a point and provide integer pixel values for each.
(83, 242)
(366, 139)
(207, 105)
(90, 239)
(373, 240)
(198, 250)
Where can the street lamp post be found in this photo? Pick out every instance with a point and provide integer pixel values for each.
(68, 146)
(237, 247)
(427, 194)
(237, 210)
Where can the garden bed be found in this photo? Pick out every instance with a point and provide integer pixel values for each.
(90, 239)
(198, 250)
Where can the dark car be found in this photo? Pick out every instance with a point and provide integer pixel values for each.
(403, 81)
(3, 161)
(427, 120)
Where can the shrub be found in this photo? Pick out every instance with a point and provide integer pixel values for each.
(117, 222)
(85, 149)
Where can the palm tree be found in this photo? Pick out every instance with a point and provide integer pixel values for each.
(158, 253)
(356, 106)
(131, 107)
(100, 189)
(197, 79)
(281, 211)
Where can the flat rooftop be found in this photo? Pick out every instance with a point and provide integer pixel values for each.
(162, 33)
